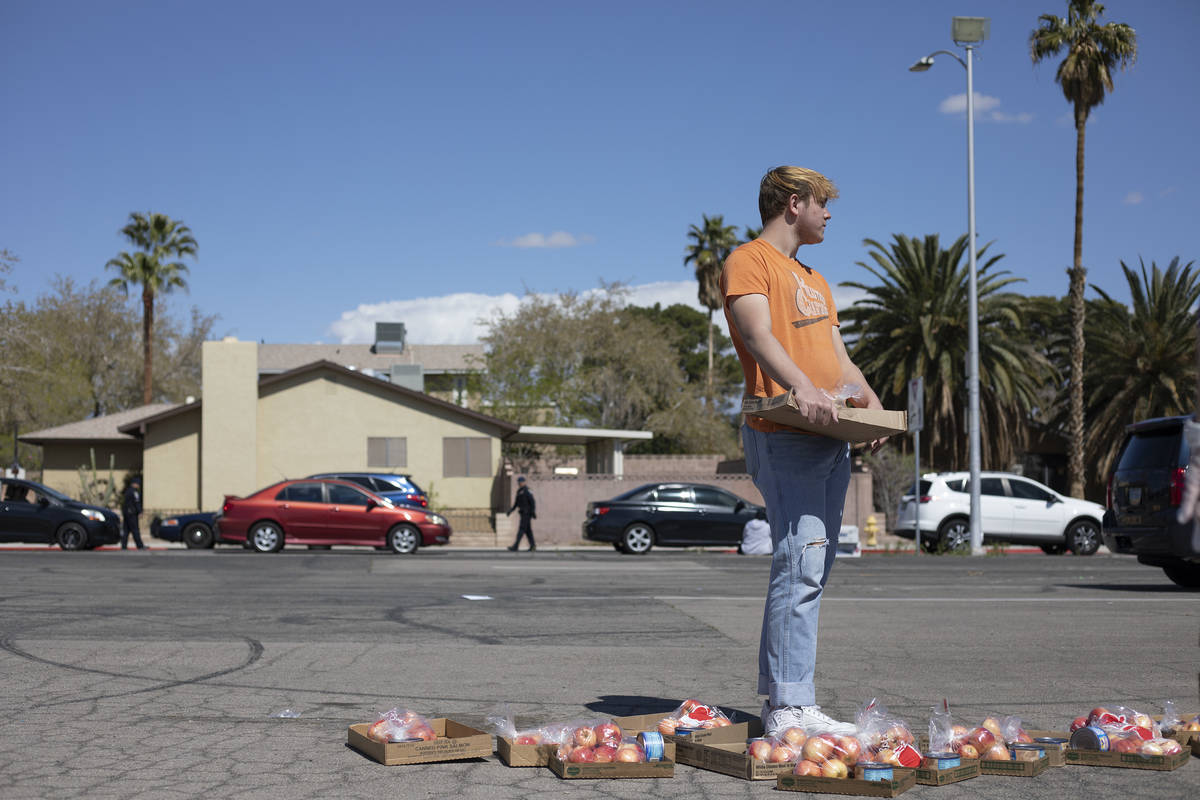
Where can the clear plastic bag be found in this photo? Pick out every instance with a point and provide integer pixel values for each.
(885, 738)
(844, 393)
(401, 725)
(693, 715)
(579, 738)
(502, 723)
(1170, 718)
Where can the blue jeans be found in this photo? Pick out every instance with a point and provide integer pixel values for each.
(803, 480)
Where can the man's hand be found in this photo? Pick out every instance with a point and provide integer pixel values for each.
(1189, 507)
(814, 405)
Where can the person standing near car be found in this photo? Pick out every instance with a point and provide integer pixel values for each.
(526, 509)
(131, 509)
(784, 327)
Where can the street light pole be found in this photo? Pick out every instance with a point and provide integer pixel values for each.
(967, 31)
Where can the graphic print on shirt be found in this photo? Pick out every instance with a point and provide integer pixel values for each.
(810, 303)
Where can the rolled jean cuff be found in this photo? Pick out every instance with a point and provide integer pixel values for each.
(787, 694)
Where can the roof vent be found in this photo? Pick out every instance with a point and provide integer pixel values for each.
(389, 337)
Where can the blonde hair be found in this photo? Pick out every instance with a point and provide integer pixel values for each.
(782, 182)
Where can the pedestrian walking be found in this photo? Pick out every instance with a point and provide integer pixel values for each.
(784, 327)
(526, 509)
(131, 509)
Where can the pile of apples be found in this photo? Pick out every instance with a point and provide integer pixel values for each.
(988, 741)
(824, 754)
(1129, 731)
(399, 724)
(692, 714)
(599, 744)
(1191, 725)
(893, 745)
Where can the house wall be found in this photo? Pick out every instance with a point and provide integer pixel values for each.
(61, 462)
(228, 428)
(171, 458)
(309, 425)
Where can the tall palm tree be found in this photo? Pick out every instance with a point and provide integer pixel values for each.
(159, 239)
(711, 243)
(1143, 354)
(914, 322)
(1085, 75)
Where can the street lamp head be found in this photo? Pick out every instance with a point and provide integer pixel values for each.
(965, 30)
(922, 64)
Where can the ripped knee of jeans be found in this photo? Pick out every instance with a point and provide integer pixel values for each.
(816, 543)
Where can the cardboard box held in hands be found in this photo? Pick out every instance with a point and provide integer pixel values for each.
(854, 425)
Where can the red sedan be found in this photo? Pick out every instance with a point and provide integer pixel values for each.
(323, 513)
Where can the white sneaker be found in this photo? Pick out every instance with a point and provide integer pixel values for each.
(778, 719)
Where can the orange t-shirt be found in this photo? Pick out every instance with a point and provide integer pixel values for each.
(802, 319)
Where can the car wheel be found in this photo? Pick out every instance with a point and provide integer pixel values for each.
(1185, 575)
(638, 538)
(404, 539)
(1083, 537)
(1054, 549)
(72, 536)
(954, 534)
(197, 536)
(266, 537)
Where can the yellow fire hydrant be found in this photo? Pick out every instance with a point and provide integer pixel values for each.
(871, 528)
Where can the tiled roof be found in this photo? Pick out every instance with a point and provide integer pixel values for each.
(97, 428)
(433, 357)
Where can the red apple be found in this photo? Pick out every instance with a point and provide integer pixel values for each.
(759, 749)
(528, 738)
(849, 749)
(608, 733)
(958, 731)
(899, 733)
(584, 737)
(818, 749)
(687, 706)
(604, 753)
(781, 754)
(886, 755)
(1142, 721)
(1078, 723)
(982, 738)
(1170, 747)
(807, 768)
(582, 755)
(420, 731)
(1152, 748)
(834, 768)
(998, 752)
(667, 726)
(968, 750)
(1129, 745)
(993, 725)
(630, 753)
(795, 737)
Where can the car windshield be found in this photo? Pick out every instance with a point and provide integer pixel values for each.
(1153, 449)
(46, 490)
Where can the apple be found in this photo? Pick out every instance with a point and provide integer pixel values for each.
(758, 749)
(604, 753)
(584, 737)
(721, 722)
(968, 750)
(997, 752)
(687, 706)
(1023, 737)
(582, 755)
(1129, 745)
(834, 768)
(667, 726)
(528, 738)
(982, 738)
(1098, 712)
(1171, 747)
(1194, 725)
(1078, 723)
(849, 749)
(818, 749)
(886, 755)
(807, 768)
(608, 733)
(1143, 721)
(993, 725)
(422, 732)
(1152, 748)
(899, 733)
(630, 753)
(781, 754)
(795, 737)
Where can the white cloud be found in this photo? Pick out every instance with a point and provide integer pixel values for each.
(456, 318)
(552, 240)
(1134, 198)
(985, 109)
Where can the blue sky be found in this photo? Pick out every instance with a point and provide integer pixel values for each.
(342, 162)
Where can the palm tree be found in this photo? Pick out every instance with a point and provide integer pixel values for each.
(159, 238)
(1143, 354)
(1085, 75)
(914, 322)
(711, 244)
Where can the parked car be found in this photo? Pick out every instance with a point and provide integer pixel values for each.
(670, 515)
(31, 512)
(1143, 496)
(397, 488)
(1013, 509)
(322, 513)
(197, 531)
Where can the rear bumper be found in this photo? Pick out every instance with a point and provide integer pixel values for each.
(596, 533)
(1170, 543)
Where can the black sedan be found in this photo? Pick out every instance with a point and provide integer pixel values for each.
(197, 531)
(668, 514)
(30, 512)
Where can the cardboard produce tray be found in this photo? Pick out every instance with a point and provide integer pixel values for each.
(854, 425)
(1014, 769)
(455, 741)
(725, 752)
(903, 780)
(1110, 758)
(635, 724)
(932, 776)
(664, 768)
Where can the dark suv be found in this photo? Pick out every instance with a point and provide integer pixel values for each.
(397, 488)
(1143, 498)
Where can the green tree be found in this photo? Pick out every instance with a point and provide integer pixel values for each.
(160, 239)
(1141, 357)
(711, 243)
(689, 332)
(914, 322)
(1093, 51)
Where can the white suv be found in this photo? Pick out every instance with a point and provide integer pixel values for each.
(1012, 507)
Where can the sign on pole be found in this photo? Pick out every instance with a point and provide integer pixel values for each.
(916, 405)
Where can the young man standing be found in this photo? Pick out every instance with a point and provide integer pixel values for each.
(784, 327)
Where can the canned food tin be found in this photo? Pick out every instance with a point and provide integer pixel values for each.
(652, 743)
(1051, 742)
(1026, 752)
(942, 760)
(1090, 737)
(874, 771)
(685, 731)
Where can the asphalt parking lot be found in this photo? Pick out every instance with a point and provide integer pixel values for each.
(160, 674)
